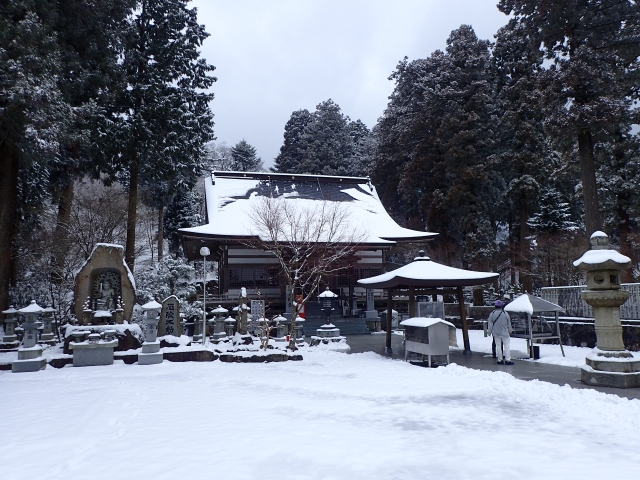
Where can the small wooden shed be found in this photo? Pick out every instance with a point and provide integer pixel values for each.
(426, 336)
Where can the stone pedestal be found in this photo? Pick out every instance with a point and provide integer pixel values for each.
(609, 364)
(93, 353)
(327, 333)
(150, 353)
(29, 360)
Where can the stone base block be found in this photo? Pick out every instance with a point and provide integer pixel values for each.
(151, 347)
(29, 353)
(89, 354)
(621, 366)
(218, 336)
(328, 332)
(29, 365)
(317, 340)
(372, 314)
(47, 337)
(609, 379)
(9, 346)
(149, 358)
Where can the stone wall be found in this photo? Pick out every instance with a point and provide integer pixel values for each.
(570, 299)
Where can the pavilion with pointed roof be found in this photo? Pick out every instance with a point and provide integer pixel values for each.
(425, 277)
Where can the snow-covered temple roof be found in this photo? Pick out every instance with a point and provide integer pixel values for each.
(231, 197)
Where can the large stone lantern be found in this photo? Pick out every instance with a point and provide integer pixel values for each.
(30, 357)
(151, 347)
(609, 364)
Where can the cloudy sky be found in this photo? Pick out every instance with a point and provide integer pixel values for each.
(273, 57)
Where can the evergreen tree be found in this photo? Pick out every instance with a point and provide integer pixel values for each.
(161, 120)
(438, 135)
(31, 114)
(182, 212)
(244, 158)
(325, 142)
(292, 150)
(595, 49)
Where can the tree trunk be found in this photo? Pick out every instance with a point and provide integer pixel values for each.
(626, 276)
(60, 236)
(9, 165)
(160, 233)
(524, 253)
(129, 254)
(592, 221)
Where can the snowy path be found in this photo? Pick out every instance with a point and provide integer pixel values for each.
(330, 416)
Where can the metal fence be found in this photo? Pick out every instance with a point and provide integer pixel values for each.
(570, 299)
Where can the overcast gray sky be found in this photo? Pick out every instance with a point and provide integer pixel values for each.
(273, 57)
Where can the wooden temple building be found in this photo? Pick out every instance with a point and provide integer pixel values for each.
(230, 199)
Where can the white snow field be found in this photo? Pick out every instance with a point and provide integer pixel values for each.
(330, 416)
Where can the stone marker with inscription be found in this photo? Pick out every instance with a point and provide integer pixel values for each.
(170, 317)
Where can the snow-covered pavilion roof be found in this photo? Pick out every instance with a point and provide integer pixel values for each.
(527, 303)
(423, 272)
(232, 196)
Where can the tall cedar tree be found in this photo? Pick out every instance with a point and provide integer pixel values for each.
(89, 36)
(437, 140)
(31, 114)
(162, 120)
(595, 49)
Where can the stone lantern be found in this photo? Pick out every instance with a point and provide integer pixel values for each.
(230, 326)
(609, 364)
(47, 330)
(218, 329)
(30, 357)
(10, 339)
(282, 326)
(151, 347)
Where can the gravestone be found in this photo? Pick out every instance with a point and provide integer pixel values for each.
(103, 280)
(170, 317)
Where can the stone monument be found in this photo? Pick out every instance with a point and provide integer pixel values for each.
(10, 339)
(609, 364)
(170, 317)
(105, 282)
(151, 347)
(30, 357)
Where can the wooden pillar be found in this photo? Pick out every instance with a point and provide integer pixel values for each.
(463, 319)
(388, 350)
(412, 302)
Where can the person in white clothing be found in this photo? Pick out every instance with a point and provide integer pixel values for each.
(499, 325)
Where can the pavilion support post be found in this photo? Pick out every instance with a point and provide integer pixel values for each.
(412, 302)
(463, 319)
(387, 349)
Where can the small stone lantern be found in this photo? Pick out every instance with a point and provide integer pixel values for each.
(219, 322)
(151, 347)
(609, 364)
(47, 330)
(230, 326)
(10, 339)
(282, 326)
(30, 357)
(87, 312)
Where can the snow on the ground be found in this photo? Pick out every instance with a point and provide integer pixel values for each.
(330, 416)
(548, 353)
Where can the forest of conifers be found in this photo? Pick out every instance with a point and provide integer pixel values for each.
(514, 149)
